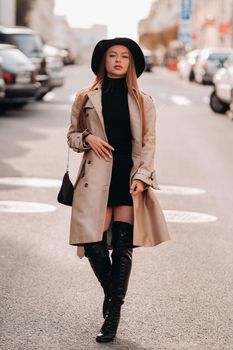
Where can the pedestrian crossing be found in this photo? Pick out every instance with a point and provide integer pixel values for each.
(173, 216)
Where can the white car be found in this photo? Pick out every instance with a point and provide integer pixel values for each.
(209, 61)
(221, 97)
(186, 64)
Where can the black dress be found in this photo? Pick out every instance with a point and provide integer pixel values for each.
(117, 125)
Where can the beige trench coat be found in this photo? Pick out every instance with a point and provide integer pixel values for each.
(94, 175)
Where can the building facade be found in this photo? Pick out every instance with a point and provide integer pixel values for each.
(211, 24)
(87, 39)
(7, 12)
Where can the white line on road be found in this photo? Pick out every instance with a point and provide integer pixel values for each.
(72, 97)
(25, 207)
(29, 182)
(206, 99)
(51, 107)
(182, 190)
(49, 96)
(181, 100)
(187, 217)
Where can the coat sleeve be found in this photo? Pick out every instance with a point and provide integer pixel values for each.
(146, 171)
(75, 136)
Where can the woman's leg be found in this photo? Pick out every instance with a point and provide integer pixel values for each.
(122, 243)
(123, 213)
(98, 256)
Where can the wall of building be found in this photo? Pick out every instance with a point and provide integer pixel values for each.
(212, 22)
(7, 12)
(87, 38)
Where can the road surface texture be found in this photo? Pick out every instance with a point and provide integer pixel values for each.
(180, 292)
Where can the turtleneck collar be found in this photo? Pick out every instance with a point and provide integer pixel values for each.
(114, 83)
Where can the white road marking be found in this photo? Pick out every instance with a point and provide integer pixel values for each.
(51, 107)
(49, 96)
(167, 189)
(187, 217)
(25, 207)
(206, 99)
(181, 100)
(29, 182)
(72, 97)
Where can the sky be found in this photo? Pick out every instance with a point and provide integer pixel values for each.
(121, 16)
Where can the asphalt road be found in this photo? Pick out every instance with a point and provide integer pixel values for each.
(180, 292)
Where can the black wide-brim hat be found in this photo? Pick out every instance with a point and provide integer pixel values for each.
(104, 45)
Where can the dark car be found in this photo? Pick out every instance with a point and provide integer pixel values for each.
(30, 43)
(149, 61)
(49, 69)
(19, 74)
(2, 83)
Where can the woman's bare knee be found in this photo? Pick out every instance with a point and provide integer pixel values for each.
(123, 213)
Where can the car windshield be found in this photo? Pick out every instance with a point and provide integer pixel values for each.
(30, 44)
(219, 56)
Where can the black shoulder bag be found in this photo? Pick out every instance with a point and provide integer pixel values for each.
(65, 195)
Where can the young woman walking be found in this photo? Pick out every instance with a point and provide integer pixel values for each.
(114, 204)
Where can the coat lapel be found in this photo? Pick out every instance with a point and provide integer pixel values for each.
(135, 124)
(95, 97)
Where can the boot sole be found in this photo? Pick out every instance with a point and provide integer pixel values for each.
(99, 340)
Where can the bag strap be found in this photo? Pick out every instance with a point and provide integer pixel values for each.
(85, 98)
(68, 159)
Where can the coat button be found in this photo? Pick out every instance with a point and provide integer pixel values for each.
(86, 184)
(83, 175)
(89, 162)
(87, 114)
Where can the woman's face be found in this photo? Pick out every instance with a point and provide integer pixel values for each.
(117, 61)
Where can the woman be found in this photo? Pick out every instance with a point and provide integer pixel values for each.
(114, 206)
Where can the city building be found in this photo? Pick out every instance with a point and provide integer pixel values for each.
(87, 39)
(211, 24)
(7, 12)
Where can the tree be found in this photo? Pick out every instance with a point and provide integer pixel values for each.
(23, 9)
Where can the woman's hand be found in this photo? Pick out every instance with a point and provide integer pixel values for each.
(137, 186)
(99, 146)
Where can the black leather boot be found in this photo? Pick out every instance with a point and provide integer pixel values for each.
(98, 256)
(122, 243)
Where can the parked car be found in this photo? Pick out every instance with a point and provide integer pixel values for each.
(19, 75)
(2, 83)
(221, 96)
(148, 60)
(67, 56)
(208, 62)
(30, 43)
(54, 66)
(186, 64)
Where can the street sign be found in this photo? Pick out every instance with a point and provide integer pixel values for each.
(186, 9)
(185, 28)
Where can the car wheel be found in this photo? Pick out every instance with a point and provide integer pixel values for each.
(191, 75)
(19, 105)
(40, 96)
(217, 105)
(2, 108)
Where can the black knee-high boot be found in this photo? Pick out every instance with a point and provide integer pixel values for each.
(122, 243)
(98, 256)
